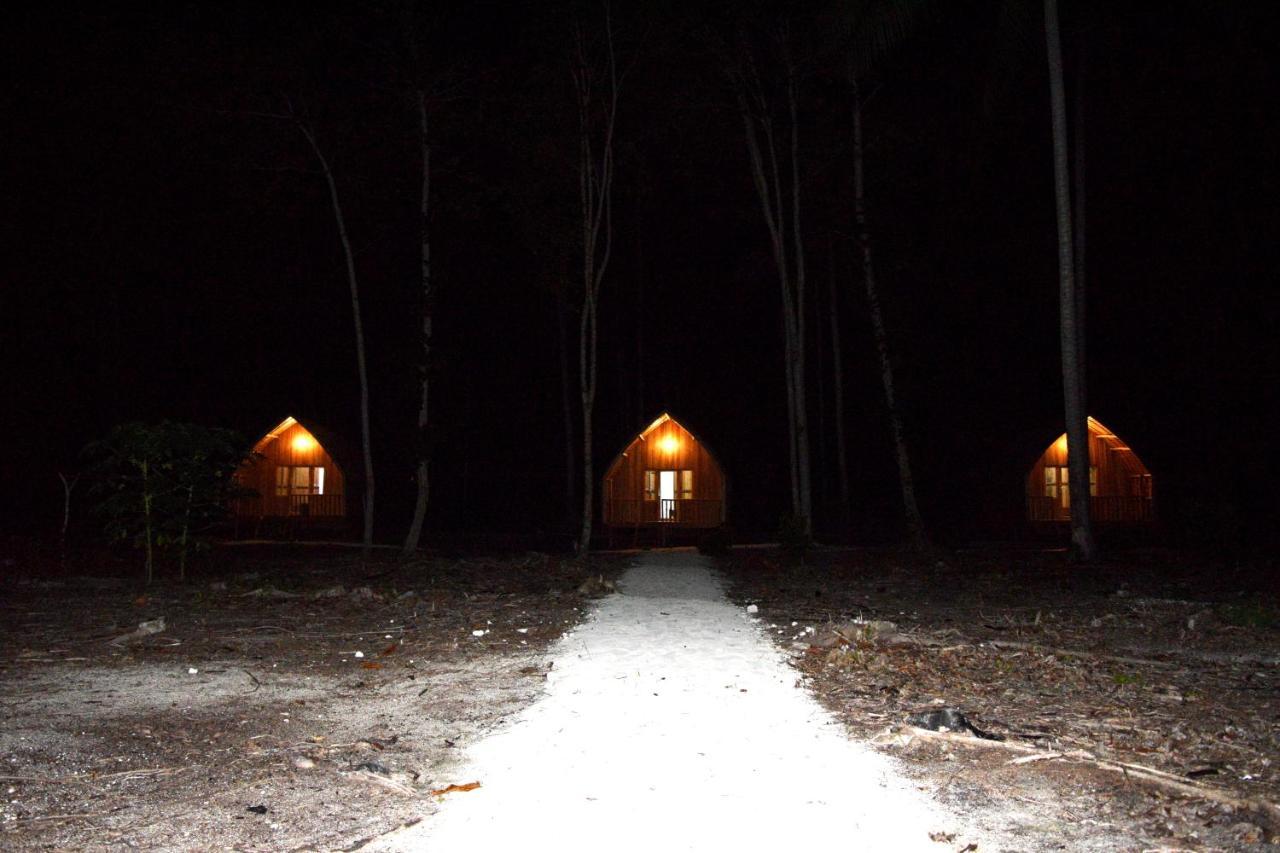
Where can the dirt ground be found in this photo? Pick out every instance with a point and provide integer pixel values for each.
(1139, 700)
(297, 699)
(294, 699)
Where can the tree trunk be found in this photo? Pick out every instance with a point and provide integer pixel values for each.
(349, 255)
(414, 536)
(800, 387)
(1083, 548)
(1078, 224)
(566, 405)
(68, 485)
(916, 534)
(767, 178)
(595, 194)
(837, 384)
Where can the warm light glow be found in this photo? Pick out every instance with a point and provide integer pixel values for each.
(669, 444)
(302, 442)
(1062, 443)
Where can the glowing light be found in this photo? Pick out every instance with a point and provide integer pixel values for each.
(669, 444)
(303, 442)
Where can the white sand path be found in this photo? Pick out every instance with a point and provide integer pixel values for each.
(671, 722)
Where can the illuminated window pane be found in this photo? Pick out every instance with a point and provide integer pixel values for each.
(651, 485)
(301, 480)
(686, 485)
(282, 480)
(319, 481)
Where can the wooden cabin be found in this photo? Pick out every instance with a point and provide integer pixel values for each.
(665, 476)
(1119, 484)
(294, 477)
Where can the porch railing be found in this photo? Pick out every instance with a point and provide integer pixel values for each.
(686, 513)
(290, 506)
(1103, 508)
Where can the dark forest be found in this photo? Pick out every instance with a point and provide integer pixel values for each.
(173, 254)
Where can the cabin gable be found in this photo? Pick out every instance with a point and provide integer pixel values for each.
(293, 476)
(664, 476)
(1120, 486)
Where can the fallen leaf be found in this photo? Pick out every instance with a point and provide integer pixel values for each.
(371, 664)
(470, 786)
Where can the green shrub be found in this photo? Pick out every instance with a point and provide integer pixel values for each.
(164, 486)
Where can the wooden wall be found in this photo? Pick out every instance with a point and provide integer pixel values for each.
(280, 447)
(1124, 488)
(664, 446)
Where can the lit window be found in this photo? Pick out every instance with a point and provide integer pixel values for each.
(686, 485)
(651, 485)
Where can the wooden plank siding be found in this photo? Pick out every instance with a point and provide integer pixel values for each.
(291, 445)
(1121, 491)
(664, 446)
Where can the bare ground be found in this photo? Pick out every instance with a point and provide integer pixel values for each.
(294, 700)
(1139, 700)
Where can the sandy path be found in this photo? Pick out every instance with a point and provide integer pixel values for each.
(672, 722)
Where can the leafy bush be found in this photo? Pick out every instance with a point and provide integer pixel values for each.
(164, 486)
(716, 543)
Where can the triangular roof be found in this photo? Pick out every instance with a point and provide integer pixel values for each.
(1103, 433)
(331, 444)
(657, 422)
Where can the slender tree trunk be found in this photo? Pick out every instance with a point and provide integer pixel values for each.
(1083, 548)
(915, 524)
(837, 383)
(822, 478)
(768, 179)
(595, 193)
(800, 387)
(183, 539)
(147, 503)
(566, 405)
(68, 485)
(414, 536)
(359, 332)
(1078, 225)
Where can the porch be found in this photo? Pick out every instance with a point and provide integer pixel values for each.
(664, 511)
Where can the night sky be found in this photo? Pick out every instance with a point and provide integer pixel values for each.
(172, 252)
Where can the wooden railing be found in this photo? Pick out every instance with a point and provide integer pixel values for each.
(684, 513)
(291, 506)
(1103, 508)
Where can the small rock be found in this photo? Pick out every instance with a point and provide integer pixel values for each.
(303, 763)
(751, 608)
(359, 654)
(331, 592)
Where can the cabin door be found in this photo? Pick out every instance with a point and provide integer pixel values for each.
(666, 495)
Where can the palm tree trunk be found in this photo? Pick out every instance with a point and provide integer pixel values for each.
(423, 474)
(916, 534)
(1083, 547)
